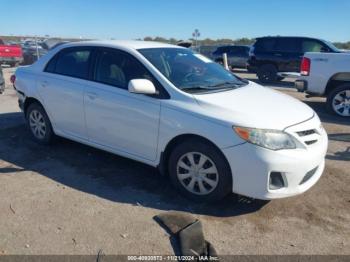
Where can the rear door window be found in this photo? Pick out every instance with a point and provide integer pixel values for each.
(288, 45)
(233, 50)
(223, 49)
(243, 50)
(265, 45)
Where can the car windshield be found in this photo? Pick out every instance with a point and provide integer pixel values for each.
(191, 72)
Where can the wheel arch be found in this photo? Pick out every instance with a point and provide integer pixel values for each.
(28, 101)
(337, 80)
(164, 158)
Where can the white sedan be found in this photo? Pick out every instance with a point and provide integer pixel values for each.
(212, 132)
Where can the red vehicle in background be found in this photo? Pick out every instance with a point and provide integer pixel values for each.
(10, 54)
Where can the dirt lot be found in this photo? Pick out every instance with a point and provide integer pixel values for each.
(73, 199)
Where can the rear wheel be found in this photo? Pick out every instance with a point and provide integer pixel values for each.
(338, 100)
(39, 124)
(267, 73)
(200, 171)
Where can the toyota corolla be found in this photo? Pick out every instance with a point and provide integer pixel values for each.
(212, 132)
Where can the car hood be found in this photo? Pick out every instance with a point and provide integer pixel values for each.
(254, 106)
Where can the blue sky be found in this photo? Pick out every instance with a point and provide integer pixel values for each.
(131, 19)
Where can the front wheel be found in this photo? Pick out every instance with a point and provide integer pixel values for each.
(200, 171)
(39, 124)
(338, 100)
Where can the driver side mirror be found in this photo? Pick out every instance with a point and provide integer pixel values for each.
(141, 86)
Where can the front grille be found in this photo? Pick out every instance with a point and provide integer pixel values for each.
(310, 142)
(307, 132)
(309, 136)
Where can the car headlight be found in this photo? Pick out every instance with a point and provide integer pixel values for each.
(271, 139)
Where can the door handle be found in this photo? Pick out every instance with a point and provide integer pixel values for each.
(278, 54)
(92, 96)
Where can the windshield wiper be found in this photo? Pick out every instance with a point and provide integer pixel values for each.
(227, 84)
(220, 86)
(196, 88)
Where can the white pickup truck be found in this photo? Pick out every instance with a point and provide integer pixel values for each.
(327, 75)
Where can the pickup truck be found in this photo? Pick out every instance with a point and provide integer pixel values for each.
(327, 75)
(10, 54)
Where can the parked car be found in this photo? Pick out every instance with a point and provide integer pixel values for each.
(206, 50)
(327, 75)
(270, 55)
(2, 81)
(31, 53)
(237, 55)
(170, 108)
(10, 54)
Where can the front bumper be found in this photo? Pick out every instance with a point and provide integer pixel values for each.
(252, 166)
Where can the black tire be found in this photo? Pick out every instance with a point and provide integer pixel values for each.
(331, 96)
(224, 184)
(48, 136)
(267, 73)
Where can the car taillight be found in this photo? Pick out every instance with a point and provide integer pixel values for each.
(305, 66)
(13, 79)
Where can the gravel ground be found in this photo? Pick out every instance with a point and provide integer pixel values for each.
(72, 199)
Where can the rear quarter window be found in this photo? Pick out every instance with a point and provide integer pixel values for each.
(70, 62)
(312, 46)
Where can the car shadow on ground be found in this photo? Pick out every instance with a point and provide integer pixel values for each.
(106, 175)
(341, 155)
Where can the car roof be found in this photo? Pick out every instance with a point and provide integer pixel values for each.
(304, 37)
(231, 46)
(128, 44)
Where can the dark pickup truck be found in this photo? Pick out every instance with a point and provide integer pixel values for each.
(270, 55)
